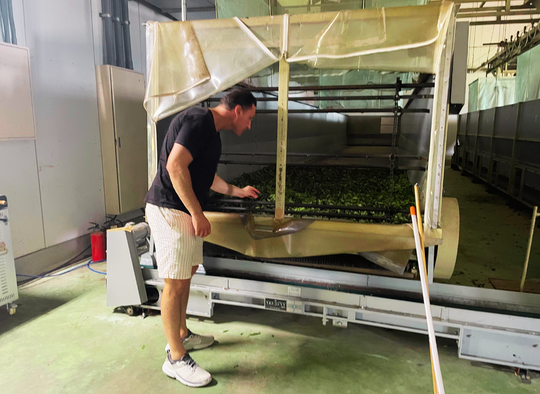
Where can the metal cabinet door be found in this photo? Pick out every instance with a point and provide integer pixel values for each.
(130, 134)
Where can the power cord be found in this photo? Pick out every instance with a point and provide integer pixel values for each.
(87, 264)
(93, 270)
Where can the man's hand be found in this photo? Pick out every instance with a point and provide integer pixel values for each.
(248, 191)
(201, 225)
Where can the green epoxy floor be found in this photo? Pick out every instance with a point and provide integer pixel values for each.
(63, 339)
(493, 235)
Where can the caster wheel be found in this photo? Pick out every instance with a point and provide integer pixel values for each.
(132, 310)
(11, 308)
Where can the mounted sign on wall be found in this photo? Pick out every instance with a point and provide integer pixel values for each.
(16, 107)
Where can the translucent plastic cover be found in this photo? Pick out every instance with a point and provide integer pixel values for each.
(528, 75)
(491, 92)
(191, 61)
(384, 39)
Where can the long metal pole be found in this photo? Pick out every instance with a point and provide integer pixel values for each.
(438, 386)
(350, 110)
(531, 233)
(282, 123)
(328, 98)
(387, 86)
(335, 156)
(184, 10)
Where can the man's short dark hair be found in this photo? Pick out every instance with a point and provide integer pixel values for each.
(243, 98)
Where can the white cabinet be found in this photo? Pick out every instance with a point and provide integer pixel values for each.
(122, 123)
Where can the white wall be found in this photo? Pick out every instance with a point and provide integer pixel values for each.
(54, 183)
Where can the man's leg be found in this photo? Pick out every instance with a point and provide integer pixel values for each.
(172, 305)
(178, 364)
(183, 310)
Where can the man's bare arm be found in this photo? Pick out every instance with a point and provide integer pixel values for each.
(220, 186)
(177, 166)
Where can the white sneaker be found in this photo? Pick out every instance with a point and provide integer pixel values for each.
(186, 371)
(195, 342)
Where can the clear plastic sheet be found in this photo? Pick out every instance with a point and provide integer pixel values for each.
(387, 39)
(528, 75)
(218, 54)
(362, 77)
(242, 8)
(473, 96)
(294, 7)
(223, 52)
(316, 238)
(491, 92)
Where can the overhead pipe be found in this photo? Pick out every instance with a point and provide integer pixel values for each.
(127, 35)
(2, 26)
(109, 47)
(12, 23)
(6, 35)
(118, 34)
(184, 10)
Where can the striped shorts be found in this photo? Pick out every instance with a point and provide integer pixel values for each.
(178, 249)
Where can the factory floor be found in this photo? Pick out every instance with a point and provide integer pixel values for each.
(63, 339)
(493, 236)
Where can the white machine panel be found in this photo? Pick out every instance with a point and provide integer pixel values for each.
(8, 278)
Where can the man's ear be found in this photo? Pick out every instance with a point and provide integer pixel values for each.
(238, 111)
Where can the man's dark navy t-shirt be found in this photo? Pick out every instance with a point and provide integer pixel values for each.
(194, 129)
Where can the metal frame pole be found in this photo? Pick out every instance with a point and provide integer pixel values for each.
(282, 123)
(443, 126)
(184, 10)
(431, 263)
(531, 233)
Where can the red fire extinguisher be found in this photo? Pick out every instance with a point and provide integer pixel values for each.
(97, 241)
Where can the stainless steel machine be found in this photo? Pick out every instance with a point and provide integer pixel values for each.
(258, 260)
(494, 326)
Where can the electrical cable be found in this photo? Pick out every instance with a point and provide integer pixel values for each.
(93, 270)
(53, 275)
(63, 265)
(87, 264)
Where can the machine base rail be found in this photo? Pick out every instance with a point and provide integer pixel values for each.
(481, 336)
